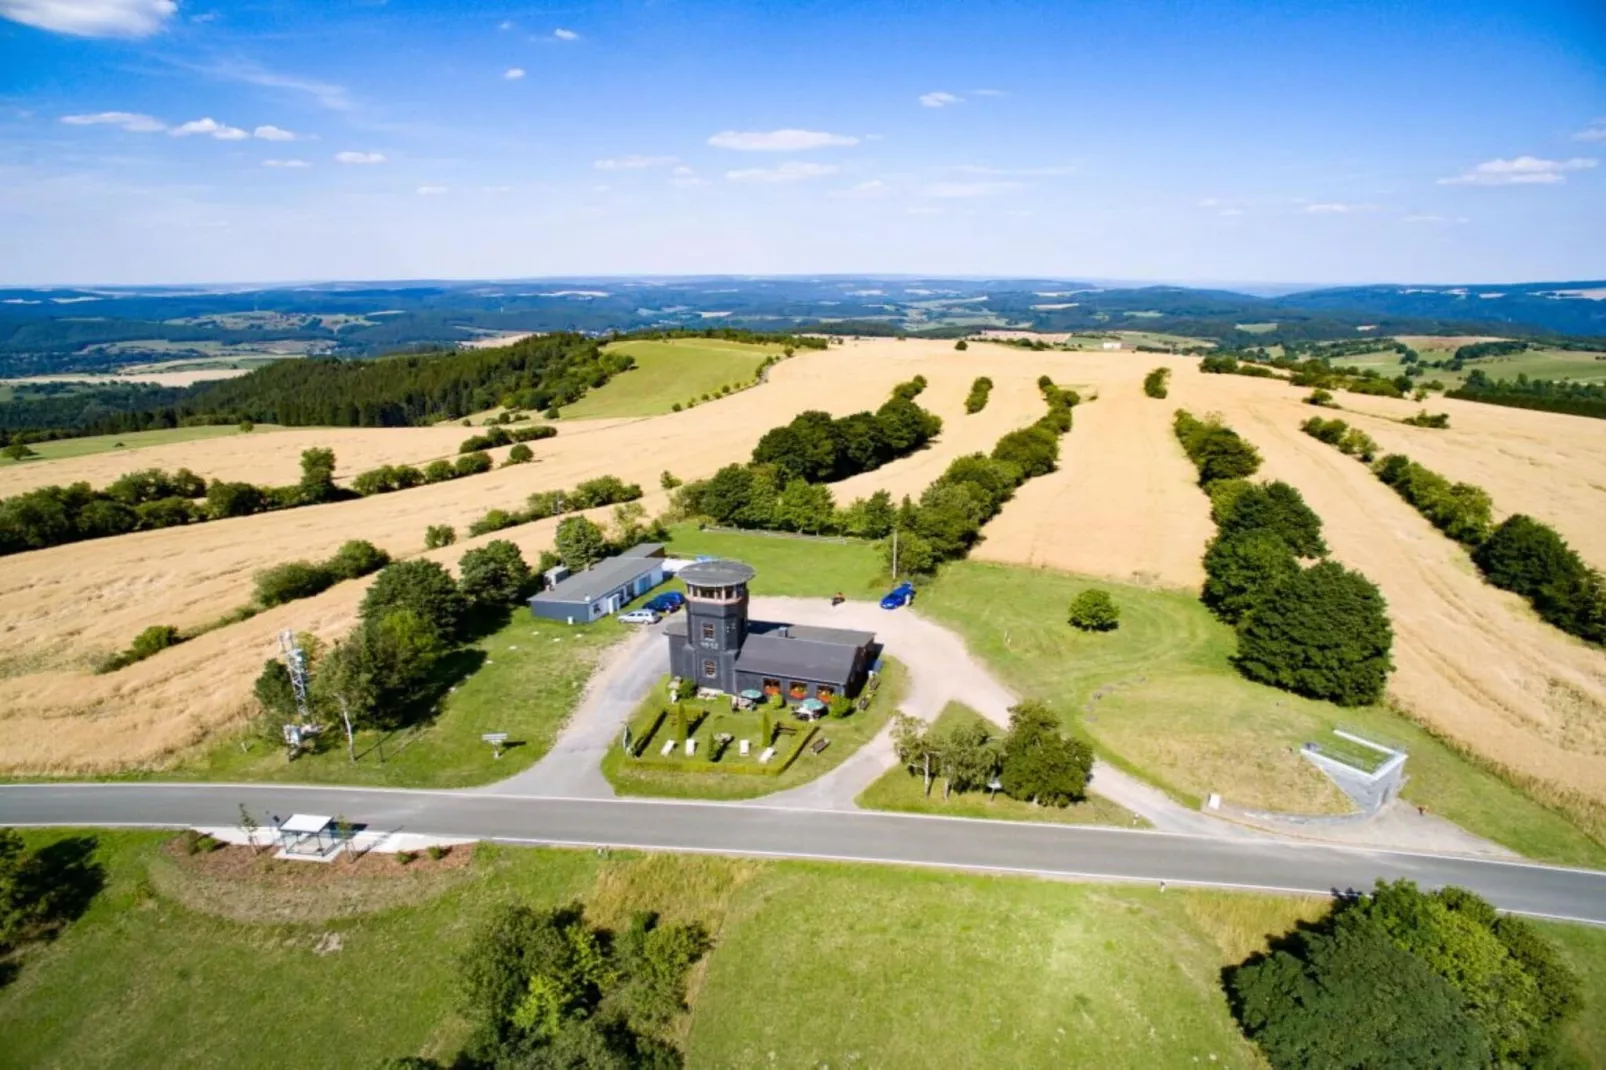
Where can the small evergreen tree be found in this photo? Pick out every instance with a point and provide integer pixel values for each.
(1095, 611)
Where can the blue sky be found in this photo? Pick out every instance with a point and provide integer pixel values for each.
(147, 141)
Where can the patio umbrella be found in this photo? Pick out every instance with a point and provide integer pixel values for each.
(811, 705)
(752, 695)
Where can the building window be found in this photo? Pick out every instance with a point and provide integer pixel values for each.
(824, 693)
(798, 690)
(772, 686)
(708, 631)
(710, 670)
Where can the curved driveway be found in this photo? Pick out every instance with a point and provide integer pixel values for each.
(996, 846)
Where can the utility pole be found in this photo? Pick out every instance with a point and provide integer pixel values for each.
(345, 715)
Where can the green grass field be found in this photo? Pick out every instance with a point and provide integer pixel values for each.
(1535, 363)
(786, 565)
(812, 965)
(898, 790)
(1175, 712)
(532, 676)
(83, 447)
(669, 372)
(846, 736)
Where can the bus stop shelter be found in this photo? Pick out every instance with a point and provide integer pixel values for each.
(307, 836)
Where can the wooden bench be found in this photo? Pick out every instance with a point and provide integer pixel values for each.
(691, 747)
(743, 748)
(764, 759)
(669, 745)
(820, 744)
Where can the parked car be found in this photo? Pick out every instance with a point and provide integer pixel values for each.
(900, 595)
(667, 602)
(641, 616)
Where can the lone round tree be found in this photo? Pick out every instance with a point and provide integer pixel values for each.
(1323, 632)
(1095, 611)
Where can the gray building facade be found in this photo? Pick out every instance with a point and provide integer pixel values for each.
(604, 588)
(714, 644)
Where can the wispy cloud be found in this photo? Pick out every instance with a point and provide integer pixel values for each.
(128, 120)
(565, 35)
(431, 191)
(988, 93)
(1056, 171)
(779, 140)
(1595, 131)
(967, 189)
(328, 94)
(513, 74)
(791, 171)
(939, 100)
(92, 18)
(209, 127)
(1338, 208)
(633, 163)
(274, 133)
(359, 157)
(869, 190)
(1521, 171)
(293, 164)
(1436, 220)
(505, 24)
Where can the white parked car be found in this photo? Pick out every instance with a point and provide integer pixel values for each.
(641, 616)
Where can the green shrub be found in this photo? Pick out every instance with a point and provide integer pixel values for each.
(438, 471)
(1424, 418)
(437, 852)
(438, 535)
(979, 391)
(1155, 383)
(406, 857)
(1531, 559)
(356, 558)
(494, 520)
(153, 640)
(1095, 611)
(470, 464)
(1216, 451)
(1280, 509)
(519, 454)
(1321, 397)
(290, 581)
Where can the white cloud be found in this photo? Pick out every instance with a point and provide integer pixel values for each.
(359, 157)
(513, 74)
(286, 163)
(791, 171)
(778, 140)
(869, 190)
(1595, 131)
(565, 35)
(273, 133)
(211, 128)
(1338, 208)
(1437, 220)
(988, 93)
(939, 100)
(91, 18)
(1521, 171)
(632, 163)
(505, 24)
(1058, 171)
(431, 191)
(967, 189)
(128, 120)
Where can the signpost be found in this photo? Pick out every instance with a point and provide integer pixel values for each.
(496, 740)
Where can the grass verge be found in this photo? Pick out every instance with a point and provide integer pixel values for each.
(846, 736)
(898, 790)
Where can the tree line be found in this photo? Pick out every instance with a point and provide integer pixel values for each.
(1521, 554)
(149, 499)
(1546, 395)
(1406, 978)
(980, 390)
(1320, 630)
(590, 494)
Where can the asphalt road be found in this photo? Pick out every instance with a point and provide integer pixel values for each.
(1018, 847)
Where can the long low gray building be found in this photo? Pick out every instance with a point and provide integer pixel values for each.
(605, 587)
(714, 645)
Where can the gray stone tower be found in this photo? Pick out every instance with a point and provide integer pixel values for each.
(716, 623)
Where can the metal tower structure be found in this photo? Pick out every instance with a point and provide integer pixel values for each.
(295, 663)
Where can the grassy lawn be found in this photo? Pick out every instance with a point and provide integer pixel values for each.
(791, 566)
(524, 679)
(1174, 711)
(83, 447)
(671, 371)
(813, 964)
(1534, 363)
(897, 789)
(846, 736)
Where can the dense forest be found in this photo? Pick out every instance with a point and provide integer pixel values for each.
(71, 406)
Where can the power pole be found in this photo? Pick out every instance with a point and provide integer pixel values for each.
(895, 554)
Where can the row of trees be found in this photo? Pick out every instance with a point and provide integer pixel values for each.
(1351, 441)
(1322, 630)
(150, 499)
(818, 448)
(590, 494)
(1227, 364)
(1033, 762)
(1407, 978)
(1547, 395)
(980, 390)
(498, 436)
(1521, 554)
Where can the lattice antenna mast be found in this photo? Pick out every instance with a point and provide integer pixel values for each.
(295, 662)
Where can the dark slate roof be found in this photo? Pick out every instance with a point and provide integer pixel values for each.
(716, 573)
(772, 655)
(603, 578)
(810, 632)
(645, 549)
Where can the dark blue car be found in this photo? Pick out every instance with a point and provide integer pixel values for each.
(900, 595)
(667, 602)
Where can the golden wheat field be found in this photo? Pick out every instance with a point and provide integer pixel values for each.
(1472, 661)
